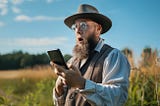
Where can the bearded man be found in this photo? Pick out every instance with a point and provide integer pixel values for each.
(98, 74)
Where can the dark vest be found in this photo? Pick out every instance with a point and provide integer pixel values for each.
(92, 70)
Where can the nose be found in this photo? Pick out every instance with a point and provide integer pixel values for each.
(79, 31)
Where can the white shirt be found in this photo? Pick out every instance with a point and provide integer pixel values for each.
(113, 91)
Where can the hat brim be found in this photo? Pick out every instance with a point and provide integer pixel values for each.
(104, 21)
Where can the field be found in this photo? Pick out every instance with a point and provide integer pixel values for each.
(27, 87)
(33, 87)
(144, 89)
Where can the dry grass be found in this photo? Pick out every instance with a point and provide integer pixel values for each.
(144, 87)
(33, 73)
(27, 87)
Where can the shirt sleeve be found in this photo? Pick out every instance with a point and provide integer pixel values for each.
(113, 90)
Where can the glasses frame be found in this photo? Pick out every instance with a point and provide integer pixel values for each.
(83, 26)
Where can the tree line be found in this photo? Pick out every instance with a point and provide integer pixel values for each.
(19, 59)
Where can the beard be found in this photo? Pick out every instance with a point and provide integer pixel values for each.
(82, 51)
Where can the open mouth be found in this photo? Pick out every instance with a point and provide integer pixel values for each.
(80, 39)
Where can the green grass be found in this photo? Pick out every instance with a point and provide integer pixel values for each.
(26, 92)
(144, 89)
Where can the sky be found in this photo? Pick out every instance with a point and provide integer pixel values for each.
(35, 26)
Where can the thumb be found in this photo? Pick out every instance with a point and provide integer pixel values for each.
(75, 69)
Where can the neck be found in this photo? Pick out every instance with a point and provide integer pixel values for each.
(93, 44)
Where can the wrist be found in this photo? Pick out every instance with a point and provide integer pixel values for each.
(82, 85)
(59, 92)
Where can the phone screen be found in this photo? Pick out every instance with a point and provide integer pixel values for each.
(57, 57)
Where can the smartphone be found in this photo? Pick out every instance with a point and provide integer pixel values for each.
(57, 57)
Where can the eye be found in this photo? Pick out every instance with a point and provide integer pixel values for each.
(73, 27)
(83, 26)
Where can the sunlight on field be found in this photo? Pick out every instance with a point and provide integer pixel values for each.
(33, 73)
(27, 87)
(33, 87)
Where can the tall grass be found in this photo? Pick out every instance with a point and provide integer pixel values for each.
(29, 87)
(144, 87)
(33, 87)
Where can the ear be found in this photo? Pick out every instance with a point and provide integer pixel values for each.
(98, 29)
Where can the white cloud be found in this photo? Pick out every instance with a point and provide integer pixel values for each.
(6, 4)
(16, 10)
(37, 18)
(2, 24)
(41, 41)
(3, 7)
(46, 18)
(35, 45)
(3, 1)
(49, 1)
(3, 11)
(23, 18)
(33, 42)
(16, 2)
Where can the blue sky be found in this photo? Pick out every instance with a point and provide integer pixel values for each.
(36, 26)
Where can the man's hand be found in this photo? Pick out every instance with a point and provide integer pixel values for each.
(71, 77)
(59, 83)
(59, 86)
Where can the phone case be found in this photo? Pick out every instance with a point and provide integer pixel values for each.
(57, 57)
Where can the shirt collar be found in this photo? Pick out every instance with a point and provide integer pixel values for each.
(99, 45)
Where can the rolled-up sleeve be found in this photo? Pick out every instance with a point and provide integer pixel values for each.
(113, 90)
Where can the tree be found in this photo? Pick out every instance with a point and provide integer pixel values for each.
(67, 57)
(18, 59)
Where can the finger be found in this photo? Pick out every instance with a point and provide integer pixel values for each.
(60, 71)
(62, 80)
(57, 72)
(69, 65)
(60, 68)
(75, 69)
(51, 63)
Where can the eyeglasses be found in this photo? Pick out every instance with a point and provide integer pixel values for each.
(82, 26)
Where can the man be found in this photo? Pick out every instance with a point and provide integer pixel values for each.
(98, 74)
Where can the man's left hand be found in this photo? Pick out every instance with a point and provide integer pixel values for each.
(72, 77)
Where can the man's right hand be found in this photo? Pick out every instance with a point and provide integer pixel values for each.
(59, 86)
(59, 82)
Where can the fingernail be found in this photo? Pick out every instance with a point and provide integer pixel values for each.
(51, 62)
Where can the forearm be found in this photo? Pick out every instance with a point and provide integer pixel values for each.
(102, 95)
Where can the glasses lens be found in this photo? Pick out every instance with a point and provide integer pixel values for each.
(83, 26)
(73, 27)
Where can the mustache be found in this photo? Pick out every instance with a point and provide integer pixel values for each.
(81, 51)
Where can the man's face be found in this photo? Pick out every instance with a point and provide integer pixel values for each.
(85, 29)
(87, 35)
